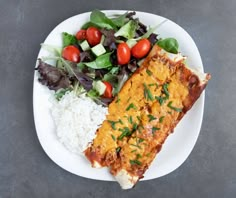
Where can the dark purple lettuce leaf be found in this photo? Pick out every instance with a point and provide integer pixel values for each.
(153, 38)
(86, 56)
(132, 65)
(106, 101)
(130, 15)
(109, 37)
(52, 77)
(83, 79)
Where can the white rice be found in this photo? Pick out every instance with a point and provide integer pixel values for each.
(76, 120)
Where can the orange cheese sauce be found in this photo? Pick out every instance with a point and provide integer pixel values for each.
(138, 110)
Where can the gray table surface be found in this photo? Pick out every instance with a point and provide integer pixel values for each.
(26, 171)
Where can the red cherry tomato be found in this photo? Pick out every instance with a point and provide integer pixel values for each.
(123, 54)
(93, 36)
(108, 90)
(71, 53)
(81, 35)
(141, 48)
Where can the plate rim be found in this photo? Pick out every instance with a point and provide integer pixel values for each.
(202, 97)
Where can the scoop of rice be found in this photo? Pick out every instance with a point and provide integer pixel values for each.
(76, 120)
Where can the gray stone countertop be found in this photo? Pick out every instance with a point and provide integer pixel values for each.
(25, 169)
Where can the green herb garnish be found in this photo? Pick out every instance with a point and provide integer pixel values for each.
(118, 149)
(147, 93)
(135, 162)
(131, 106)
(169, 44)
(151, 118)
(135, 125)
(125, 132)
(113, 123)
(154, 129)
(174, 108)
(148, 154)
(138, 156)
(140, 140)
(136, 145)
(133, 150)
(139, 118)
(113, 137)
(130, 119)
(161, 119)
(118, 99)
(153, 84)
(120, 121)
(148, 72)
(165, 89)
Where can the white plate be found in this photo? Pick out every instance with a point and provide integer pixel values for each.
(177, 147)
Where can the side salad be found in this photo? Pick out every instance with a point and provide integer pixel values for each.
(101, 56)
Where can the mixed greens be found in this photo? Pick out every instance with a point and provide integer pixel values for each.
(101, 56)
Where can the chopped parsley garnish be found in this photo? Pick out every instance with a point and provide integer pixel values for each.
(165, 89)
(174, 108)
(118, 149)
(154, 129)
(135, 126)
(120, 121)
(139, 118)
(140, 129)
(135, 162)
(161, 119)
(133, 150)
(147, 93)
(138, 156)
(135, 145)
(148, 154)
(130, 119)
(153, 84)
(148, 72)
(113, 123)
(140, 140)
(113, 137)
(151, 118)
(118, 99)
(131, 106)
(162, 99)
(125, 132)
(129, 99)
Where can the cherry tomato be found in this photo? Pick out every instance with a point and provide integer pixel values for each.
(141, 48)
(81, 35)
(71, 53)
(93, 36)
(108, 90)
(123, 54)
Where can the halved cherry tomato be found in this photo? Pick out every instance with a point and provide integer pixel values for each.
(81, 35)
(93, 36)
(141, 48)
(71, 53)
(108, 90)
(123, 53)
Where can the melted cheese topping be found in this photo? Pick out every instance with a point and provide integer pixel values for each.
(144, 113)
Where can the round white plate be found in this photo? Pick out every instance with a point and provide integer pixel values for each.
(177, 147)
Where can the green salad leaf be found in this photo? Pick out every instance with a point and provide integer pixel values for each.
(101, 62)
(87, 25)
(120, 20)
(68, 39)
(169, 44)
(101, 20)
(127, 30)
